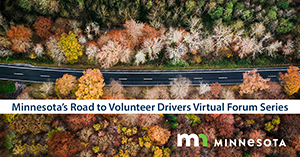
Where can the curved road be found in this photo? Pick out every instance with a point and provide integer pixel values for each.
(29, 73)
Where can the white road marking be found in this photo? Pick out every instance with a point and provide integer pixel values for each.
(272, 76)
(148, 79)
(198, 78)
(20, 74)
(172, 79)
(222, 78)
(122, 79)
(44, 76)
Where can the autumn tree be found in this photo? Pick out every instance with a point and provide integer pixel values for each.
(216, 89)
(91, 51)
(43, 26)
(117, 49)
(134, 30)
(180, 87)
(290, 80)
(157, 92)
(148, 120)
(253, 82)
(76, 122)
(20, 37)
(42, 91)
(71, 47)
(55, 51)
(115, 90)
(90, 85)
(227, 94)
(129, 120)
(65, 85)
(63, 144)
(159, 135)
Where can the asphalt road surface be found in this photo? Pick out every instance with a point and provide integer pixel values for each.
(29, 73)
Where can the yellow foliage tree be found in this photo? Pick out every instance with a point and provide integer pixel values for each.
(71, 47)
(65, 85)
(290, 80)
(90, 85)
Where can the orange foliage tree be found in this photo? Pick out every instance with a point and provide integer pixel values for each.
(65, 85)
(253, 82)
(216, 89)
(90, 85)
(43, 26)
(76, 122)
(159, 135)
(20, 36)
(63, 144)
(290, 80)
(149, 32)
(296, 142)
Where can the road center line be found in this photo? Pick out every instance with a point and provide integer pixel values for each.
(172, 79)
(20, 74)
(148, 79)
(122, 79)
(44, 76)
(198, 78)
(272, 76)
(222, 78)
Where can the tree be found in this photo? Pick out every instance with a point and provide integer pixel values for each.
(129, 120)
(227, 94)
(42, 91)
(216, 89)
(90, 85)
(38, 50)
(148, 120)
(134, 30)
(43, 26)
(63, 144)
(285, 26)
(228, 11)
(203, 88)
(272, 15)
(22, 33)
(71, 47)
(158, 135)
(157, 92)
(76, 122)
(115, 90)
(290, 80)
(253, 82)
(152, 47)
(257, 134)
(180, 87)
(55, 51)
(20, 37)
(288, 48)
(65, 85)
(112, 53)
(140, 57)
(218, 13)
(91, 51)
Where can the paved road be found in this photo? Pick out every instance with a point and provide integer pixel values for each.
(22, 72)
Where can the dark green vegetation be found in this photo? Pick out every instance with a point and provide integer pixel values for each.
(7, 86)
(176, 13)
